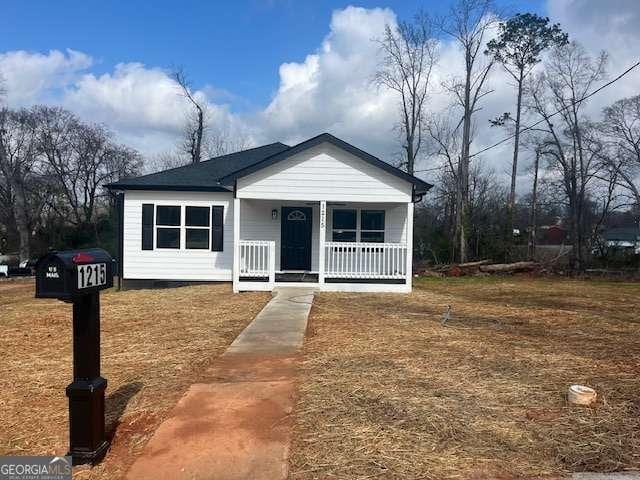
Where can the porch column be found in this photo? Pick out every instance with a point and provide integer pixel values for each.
(236, 245)
(322, 235)
(409, 243)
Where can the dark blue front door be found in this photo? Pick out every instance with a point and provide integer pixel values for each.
(295, 252)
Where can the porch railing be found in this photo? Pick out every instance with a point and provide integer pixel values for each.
(258, 259)
(365, 260)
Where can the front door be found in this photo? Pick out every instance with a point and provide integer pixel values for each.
(295, 252)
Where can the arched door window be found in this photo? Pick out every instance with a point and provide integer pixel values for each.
(296, 216)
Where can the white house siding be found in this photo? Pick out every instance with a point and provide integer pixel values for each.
(168, 264)
(325, 172)
(256, 223)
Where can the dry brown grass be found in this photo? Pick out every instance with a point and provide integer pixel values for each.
(155, 343)
(387, 391)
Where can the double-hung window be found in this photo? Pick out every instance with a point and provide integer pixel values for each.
(345, 225)
(372, 226)
(183, 227)
(168, 226)
(198, 228)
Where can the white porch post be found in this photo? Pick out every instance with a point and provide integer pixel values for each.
(409, 243)
(236, 245)
(322, 235)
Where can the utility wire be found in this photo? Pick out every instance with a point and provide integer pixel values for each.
(529, 127)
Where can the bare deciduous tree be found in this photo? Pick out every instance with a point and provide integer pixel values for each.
(196, 120)
(18, 156)
(468, 23)
(221, 141)
(80, 158)
(573, 148)
(621, 126)
(410, 53)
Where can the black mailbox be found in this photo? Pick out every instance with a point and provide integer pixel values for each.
(77, 276)
(68, 274)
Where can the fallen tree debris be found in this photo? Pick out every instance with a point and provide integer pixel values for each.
(508, 267)
(479, 268)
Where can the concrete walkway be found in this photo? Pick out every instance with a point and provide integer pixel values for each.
(239, 425)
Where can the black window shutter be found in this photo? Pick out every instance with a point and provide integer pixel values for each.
(147, 226)
(217, 229)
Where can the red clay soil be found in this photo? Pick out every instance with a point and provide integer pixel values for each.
(237, 427)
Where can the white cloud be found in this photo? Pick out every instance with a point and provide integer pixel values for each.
(331, 90)
(32, 77)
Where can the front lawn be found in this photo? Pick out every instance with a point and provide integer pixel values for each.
(155, 343)
(388, 391)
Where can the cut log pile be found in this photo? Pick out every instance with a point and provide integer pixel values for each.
(482, 267)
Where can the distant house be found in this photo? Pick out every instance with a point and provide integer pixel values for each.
(321, 213)
(551, 235)
(622, 238)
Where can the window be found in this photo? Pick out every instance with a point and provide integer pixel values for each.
(168, 238)
(372, 226)
(202, 228)
(197, 228)
(297, 216)
(167, 216)
(344, 225)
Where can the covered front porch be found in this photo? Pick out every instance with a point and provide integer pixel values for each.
(335, 246)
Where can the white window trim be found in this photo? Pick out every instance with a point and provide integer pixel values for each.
(333, 229)
(198, 227)
(383, 230)
(358, 229)
(156, 226)
(182, 227)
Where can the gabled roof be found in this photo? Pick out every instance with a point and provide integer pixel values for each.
(203, 176)
(420, 185)
(219, 173)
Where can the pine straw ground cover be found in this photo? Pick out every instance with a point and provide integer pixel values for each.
(155, 343)
(387, 391)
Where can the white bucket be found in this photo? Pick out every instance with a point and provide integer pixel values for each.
(581, 395)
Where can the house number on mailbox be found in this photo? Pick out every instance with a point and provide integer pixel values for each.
(92, 275)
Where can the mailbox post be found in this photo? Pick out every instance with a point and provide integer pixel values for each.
(77, 276)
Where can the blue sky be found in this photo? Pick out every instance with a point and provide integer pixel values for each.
(267, 70)
(236, 46)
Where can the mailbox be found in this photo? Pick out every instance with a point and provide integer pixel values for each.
(77, 276)
(69, 274)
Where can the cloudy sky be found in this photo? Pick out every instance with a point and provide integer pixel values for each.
(277, 70)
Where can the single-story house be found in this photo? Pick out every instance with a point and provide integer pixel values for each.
(622, 238)
(322, 213)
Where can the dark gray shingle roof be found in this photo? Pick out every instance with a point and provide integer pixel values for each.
(220, 173)
(201, 176)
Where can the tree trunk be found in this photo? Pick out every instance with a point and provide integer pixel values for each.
(463, 169)
(508, 267)
(199, 133)
(514, 167)
(534, 201)
(22, 224)
(574, 258)
(410, 155)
